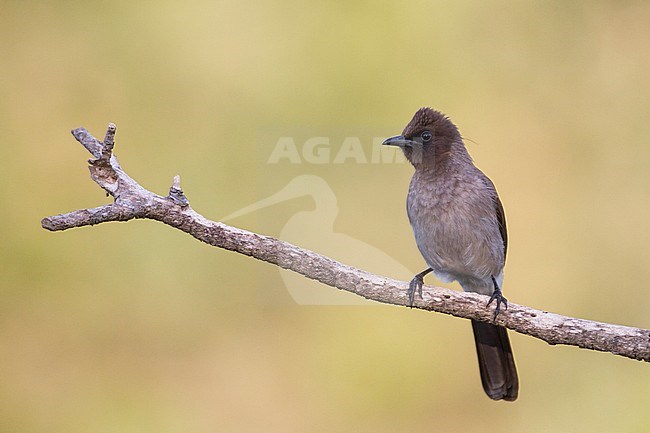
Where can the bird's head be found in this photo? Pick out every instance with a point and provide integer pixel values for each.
(429, 136)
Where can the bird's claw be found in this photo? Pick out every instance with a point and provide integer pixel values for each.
(498, 296)
(415, 286)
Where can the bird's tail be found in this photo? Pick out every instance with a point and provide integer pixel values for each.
(495, 360)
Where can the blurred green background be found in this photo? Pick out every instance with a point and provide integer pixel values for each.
(138, 327)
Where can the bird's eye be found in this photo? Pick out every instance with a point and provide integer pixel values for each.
(427, 136)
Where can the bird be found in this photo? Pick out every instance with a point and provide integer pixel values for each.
(460, 229)
(314, 229)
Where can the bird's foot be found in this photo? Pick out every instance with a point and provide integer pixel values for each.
(498, 296)
(416, 286)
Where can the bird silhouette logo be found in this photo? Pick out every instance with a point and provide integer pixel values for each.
(314, 230)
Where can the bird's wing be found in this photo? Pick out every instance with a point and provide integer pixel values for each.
(501, 219)
(500, 213)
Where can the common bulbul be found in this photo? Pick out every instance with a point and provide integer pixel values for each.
(460, 229)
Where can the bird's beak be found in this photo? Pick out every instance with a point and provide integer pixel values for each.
(398, 141)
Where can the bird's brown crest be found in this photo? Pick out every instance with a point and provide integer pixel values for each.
(428, 118)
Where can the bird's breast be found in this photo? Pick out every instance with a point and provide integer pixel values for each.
(455, 227)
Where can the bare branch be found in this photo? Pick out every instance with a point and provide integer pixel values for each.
(133, 201)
